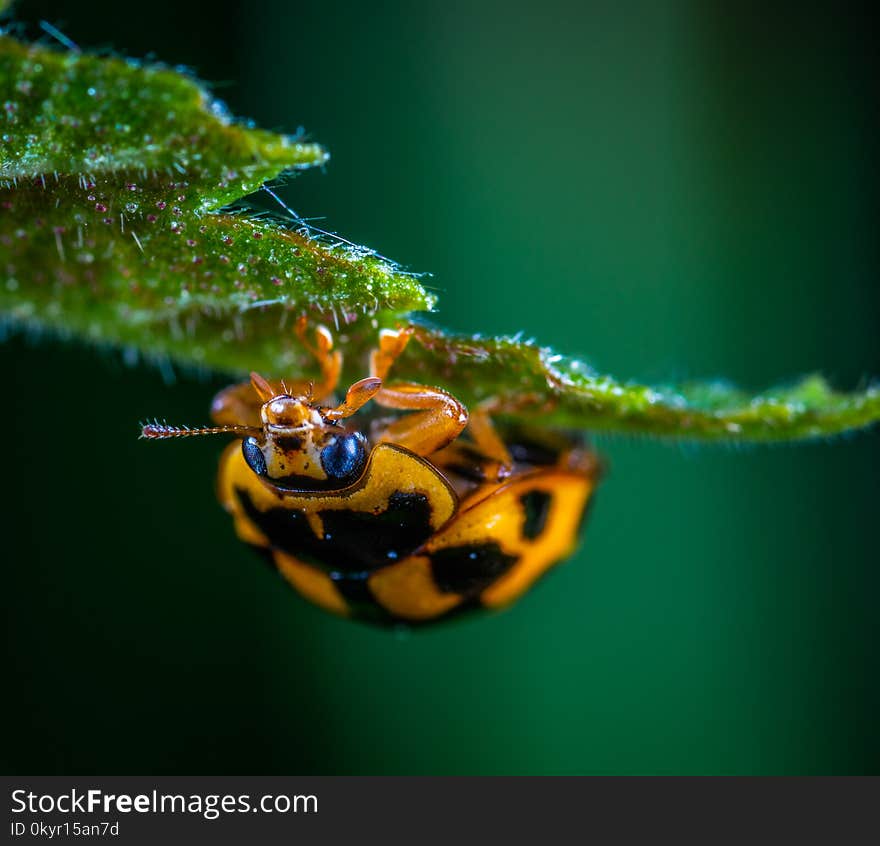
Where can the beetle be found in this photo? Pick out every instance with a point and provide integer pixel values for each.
(405, 519)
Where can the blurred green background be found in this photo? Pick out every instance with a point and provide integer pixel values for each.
(673, 189)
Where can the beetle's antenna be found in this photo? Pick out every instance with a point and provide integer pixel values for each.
(156, 430)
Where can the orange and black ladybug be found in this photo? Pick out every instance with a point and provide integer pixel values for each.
(401, 520)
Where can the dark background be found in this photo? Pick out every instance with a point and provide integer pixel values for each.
(674, 189)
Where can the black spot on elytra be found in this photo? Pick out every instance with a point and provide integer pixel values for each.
(469, 570)
(355, 591)
(536, 505)
(354, 541)
(362, 604)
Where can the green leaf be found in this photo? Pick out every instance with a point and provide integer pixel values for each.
(73, 113)
(116, 181)
(536, 384)
(113, 177)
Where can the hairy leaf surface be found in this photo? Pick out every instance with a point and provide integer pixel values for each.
(117, 181)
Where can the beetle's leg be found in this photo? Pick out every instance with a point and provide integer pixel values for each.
(485, 436)
(392, 342)
(358, 395)
(329, 360)
(240, 404)
(237, 405)
(486, 451)
(487, 439)
(438, 418)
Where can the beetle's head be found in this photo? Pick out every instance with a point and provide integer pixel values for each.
(299, 443)
(302, 441)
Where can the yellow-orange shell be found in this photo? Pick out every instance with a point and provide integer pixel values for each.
(401, 544)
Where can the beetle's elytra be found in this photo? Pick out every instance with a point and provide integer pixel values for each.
(401, 519)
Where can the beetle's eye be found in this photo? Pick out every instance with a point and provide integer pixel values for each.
(253, 455)
(344, 456)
